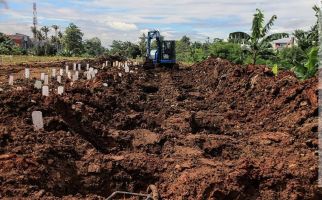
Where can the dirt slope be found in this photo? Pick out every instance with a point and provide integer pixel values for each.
(213, 131)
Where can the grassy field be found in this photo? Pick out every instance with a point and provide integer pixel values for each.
(6, 60)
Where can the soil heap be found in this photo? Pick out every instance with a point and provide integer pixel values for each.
(211, 131)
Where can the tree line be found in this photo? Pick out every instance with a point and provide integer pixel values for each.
(67, 43)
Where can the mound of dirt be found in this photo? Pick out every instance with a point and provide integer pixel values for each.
(211, 131)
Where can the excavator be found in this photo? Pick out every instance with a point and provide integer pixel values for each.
(163, 55)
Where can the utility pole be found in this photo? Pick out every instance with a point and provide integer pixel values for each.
(35, 21)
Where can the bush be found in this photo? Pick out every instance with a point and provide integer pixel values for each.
(230, 51)
(290, 57)
(310, 68)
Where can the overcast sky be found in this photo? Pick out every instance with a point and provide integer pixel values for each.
(128, 19)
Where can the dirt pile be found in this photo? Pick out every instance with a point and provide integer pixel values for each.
(212, 131)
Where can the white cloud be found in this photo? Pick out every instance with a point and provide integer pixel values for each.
(122, 26)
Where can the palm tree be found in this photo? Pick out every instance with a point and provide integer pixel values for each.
(45, 29)
(259, 40)
(55, 27)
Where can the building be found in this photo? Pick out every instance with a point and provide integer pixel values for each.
(21, 40)
(284, 43)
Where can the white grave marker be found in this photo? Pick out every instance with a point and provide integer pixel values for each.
(120, 74)
(42, 76)
(59, 79)
(53, 72)
(87, 66)
(60, 90)
(61, 72)
(37, 120)
(79, 67)
(88, 76)
(46, 80)
(74, 67)
(66, 69)
(11, 80)
(74, 77)
(69, 75)
(92, 73)
(127, 68)
(45, 91)
(27, 73)
(38, 84)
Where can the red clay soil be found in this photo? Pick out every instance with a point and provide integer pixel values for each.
(212, 131)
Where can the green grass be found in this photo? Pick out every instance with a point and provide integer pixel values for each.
(7, 60)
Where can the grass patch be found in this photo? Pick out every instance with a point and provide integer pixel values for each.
(14, 59)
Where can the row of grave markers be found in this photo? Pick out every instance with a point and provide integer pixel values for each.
(90, 73)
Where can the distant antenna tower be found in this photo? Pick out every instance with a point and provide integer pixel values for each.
(35, 22)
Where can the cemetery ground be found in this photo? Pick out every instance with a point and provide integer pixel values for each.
(26, 59)
(210, 131)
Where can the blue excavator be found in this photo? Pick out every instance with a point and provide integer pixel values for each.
(163, 55)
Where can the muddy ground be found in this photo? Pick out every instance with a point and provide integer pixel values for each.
(212, 131)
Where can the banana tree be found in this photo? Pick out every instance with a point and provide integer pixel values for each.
(310, 68)
(258, 41)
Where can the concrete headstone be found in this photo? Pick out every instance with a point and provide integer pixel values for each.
(127, 68)
(60, 90)
(53, 72)
(27, 73)
(38, 85)
(11, 80)
(46, 80)
(45, 90)
(88, 75)
(37, 120)
(42, 76)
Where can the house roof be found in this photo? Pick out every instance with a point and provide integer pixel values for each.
(18, 35)
(283, 40)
